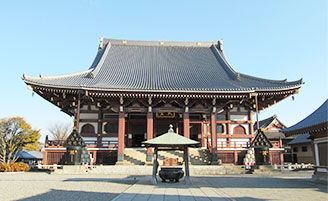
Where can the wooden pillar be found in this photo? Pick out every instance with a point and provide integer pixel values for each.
(214, 139)
(45, 158)
(77, 122)
(186, 125)
(235, 153)
(203, 135)
(121, 136)
(257, 113)
(99, 132)
(281, 158)
(251, 127)
(150, 134)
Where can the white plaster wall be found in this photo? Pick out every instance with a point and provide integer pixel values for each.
(84, 107)
(95, 124)
(234, 109)
(242, 109)
(88, 116)
(93, 107)
(236, 117)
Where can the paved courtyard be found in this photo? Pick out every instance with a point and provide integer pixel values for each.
(43, 186)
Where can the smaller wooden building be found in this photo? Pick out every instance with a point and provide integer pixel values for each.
(316, 124)
(280, 151)
(302, 149)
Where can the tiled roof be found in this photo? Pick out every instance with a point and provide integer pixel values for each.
(161, 66)
(265, 122)
(303, 138)
(275, 135)
(317, 120)
(28, 154)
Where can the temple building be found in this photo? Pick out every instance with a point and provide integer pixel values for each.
(281, 151)
(135, 89)
(316, 126)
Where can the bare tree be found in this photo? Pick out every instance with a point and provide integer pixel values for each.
(60, 131)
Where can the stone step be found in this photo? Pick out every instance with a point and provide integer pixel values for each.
(138, 156)
(147, 170)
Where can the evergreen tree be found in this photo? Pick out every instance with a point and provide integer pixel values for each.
(15, 135)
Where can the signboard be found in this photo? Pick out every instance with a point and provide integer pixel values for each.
(167, 115)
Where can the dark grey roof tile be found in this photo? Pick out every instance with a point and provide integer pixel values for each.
(148, 65)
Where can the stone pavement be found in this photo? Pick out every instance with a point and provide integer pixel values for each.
(43, 186)
(241, 187)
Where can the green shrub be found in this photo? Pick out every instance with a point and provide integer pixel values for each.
(14, 167)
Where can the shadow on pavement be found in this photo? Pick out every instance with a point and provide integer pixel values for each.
(71, 195)
(259, 182)
(127, 180)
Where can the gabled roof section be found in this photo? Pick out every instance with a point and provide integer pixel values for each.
(127, 65)
(265, 123)
(316, 121)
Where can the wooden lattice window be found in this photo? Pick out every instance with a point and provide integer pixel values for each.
(88, 128)
(239, 130)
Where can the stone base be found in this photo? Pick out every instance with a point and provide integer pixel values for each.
(149, 158)
(119, 163)
(149, 163)
(214, 160)
(320, 178)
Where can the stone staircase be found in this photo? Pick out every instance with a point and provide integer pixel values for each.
(265, 169)
(195, 170)
(137, 156)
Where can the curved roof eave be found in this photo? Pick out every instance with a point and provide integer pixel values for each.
(318, 118)
(164, 90)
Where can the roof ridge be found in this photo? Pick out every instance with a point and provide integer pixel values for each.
(100, 63)
(224, 62)
(160, 43)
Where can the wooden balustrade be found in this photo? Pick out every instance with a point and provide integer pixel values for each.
(233, 144)
(90, 143)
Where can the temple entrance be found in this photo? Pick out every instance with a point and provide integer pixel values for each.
(138, 133)
(195, 131)
(160, 127)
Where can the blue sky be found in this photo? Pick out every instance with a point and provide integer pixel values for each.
(270, 39)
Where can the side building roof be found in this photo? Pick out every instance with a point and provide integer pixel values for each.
(303, 138)
(126, 65)
(316, 121)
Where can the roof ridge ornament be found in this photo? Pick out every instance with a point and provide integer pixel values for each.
(171, 129)
(238, 76)
(220, 45)
(101, 45)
